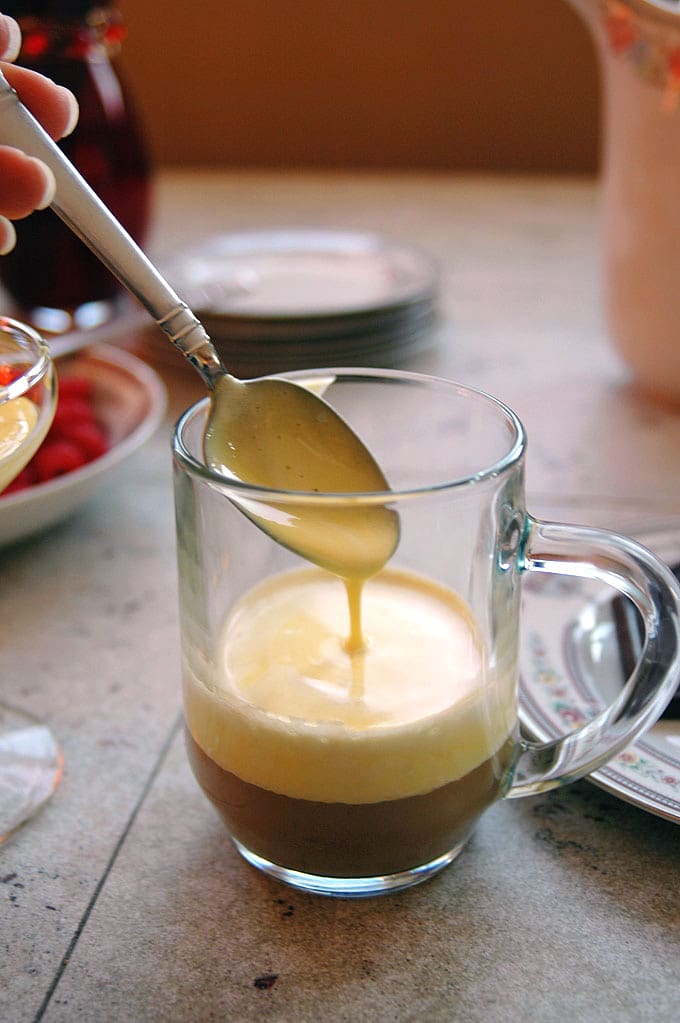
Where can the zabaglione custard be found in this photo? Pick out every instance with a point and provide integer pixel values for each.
(347, 758)
(19, 436)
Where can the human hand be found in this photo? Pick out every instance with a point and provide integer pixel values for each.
(26, 184)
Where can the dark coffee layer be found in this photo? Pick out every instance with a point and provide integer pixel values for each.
(350, 840)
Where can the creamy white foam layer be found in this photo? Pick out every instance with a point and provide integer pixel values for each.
(290, 710)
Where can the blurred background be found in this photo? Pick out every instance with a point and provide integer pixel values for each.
(438, 84)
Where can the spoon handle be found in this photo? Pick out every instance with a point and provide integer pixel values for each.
(87, 216)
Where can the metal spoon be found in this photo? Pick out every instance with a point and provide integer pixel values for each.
(269, 432)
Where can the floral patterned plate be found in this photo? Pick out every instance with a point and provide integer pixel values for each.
(570, 666)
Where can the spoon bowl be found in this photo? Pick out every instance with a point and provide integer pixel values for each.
(282, 436)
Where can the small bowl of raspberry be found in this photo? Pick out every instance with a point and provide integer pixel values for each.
(109, 404)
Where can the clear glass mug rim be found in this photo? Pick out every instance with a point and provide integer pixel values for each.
(35, 372)
(512, 457)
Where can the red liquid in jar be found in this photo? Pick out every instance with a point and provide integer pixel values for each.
(50, 267)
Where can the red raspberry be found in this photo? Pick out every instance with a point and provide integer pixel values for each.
(56, 458)
(76, 387)
(90, 438)
(25, 479)
(71, 410)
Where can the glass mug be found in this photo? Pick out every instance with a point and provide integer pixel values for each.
(359, 769)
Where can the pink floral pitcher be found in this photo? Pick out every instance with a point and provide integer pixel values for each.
(639, 46)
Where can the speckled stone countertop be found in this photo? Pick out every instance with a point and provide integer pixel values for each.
(123, 900)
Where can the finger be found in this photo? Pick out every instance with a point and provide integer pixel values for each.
(54, 106)
(27, 184)
(10, 38)
(8, 236)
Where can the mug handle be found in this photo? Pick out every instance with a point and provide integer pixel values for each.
(634, 571)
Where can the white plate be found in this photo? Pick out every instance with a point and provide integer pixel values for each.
(300, 273)
(570, 668)
(130, 401)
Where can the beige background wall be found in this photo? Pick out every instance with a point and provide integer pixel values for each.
(498, 84)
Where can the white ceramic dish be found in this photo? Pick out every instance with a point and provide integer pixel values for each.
(297, 298)
(299, 273)
(130, 400)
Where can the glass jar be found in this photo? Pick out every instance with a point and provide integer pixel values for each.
(56, 282)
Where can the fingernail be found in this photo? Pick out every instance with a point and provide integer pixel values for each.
(50, 188)
(13, 38)
(74, 112)
(10, 239)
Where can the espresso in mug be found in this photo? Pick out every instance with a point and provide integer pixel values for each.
(348, 760)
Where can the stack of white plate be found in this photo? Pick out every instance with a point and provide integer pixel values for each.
(290, 299)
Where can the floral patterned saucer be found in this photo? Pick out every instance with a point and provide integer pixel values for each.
(570, 666)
